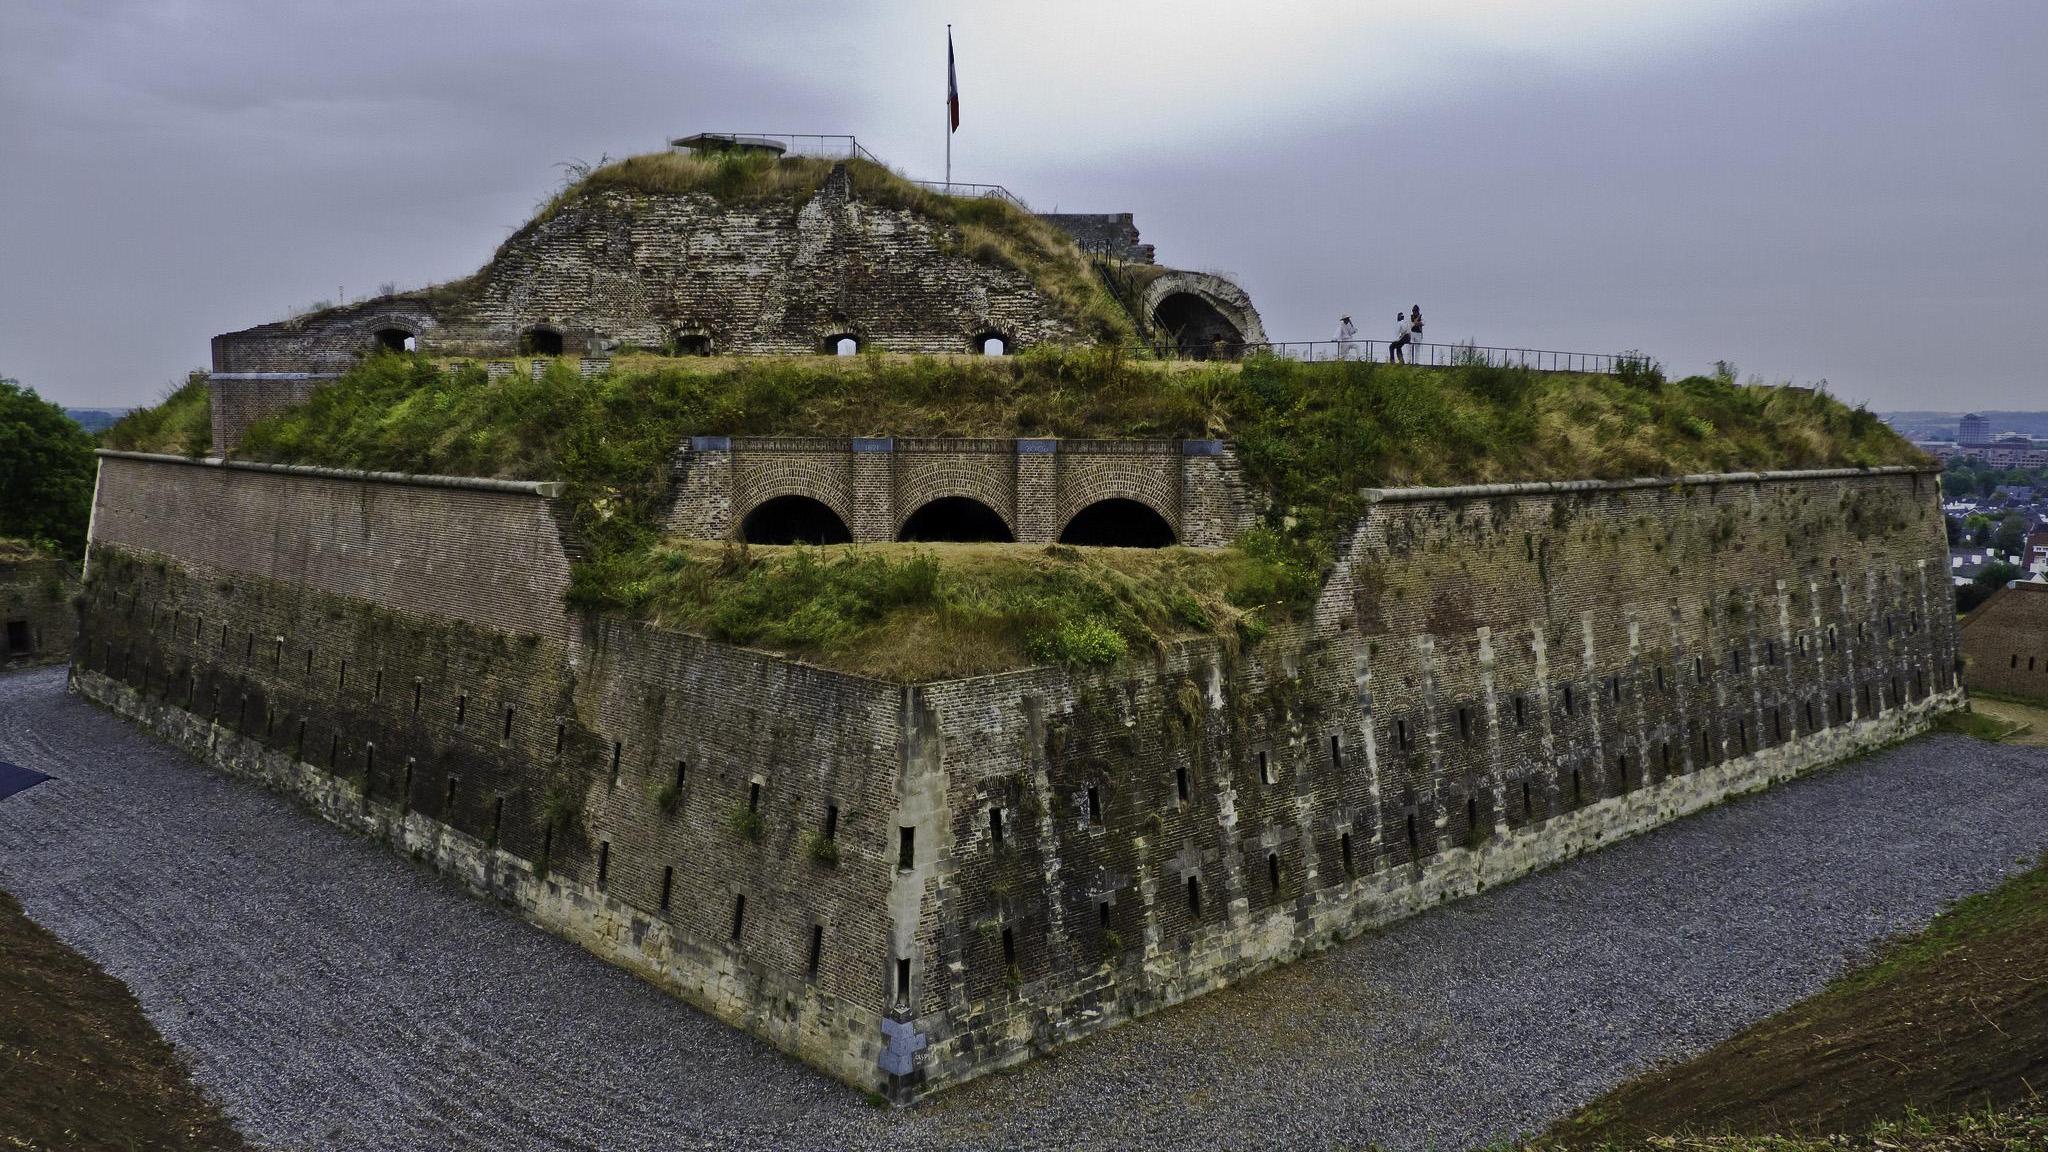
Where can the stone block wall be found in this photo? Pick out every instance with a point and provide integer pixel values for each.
(910, 885)
(626, 267)
(1493, 680)
(2005, 643)
(37, 618)
(1035, 486)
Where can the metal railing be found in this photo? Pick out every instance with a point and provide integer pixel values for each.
(1437, 355)
(805, 144)
(979, 191)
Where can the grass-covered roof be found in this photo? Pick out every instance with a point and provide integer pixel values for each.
(1309, 437)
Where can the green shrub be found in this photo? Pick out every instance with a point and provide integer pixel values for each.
(822, 849)
(746, 823)
(180, 424)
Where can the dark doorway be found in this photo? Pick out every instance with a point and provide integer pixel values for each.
(992, 344)
(396, 340)
(1196, 329)
(842, 345)
(18, 639)
(540, 342)
(957, 519)
(693, 344)
(1118, 523)
(794, 520)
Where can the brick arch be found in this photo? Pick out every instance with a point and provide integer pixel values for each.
(1145, 481)
(919, 482)
(823, 479)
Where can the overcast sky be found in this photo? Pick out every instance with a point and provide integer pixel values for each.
(1855, 191)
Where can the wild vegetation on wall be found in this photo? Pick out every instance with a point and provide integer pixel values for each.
(1309, 436)
(180, 424)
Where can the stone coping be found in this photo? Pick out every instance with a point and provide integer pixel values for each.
(1700, 479)
(546, 489)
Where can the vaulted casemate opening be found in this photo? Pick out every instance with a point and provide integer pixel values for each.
(956, 519)
(1118, 523)
(794, 520)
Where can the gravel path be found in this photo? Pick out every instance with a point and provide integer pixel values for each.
(335, 996)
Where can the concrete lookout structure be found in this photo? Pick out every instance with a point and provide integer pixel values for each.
(911, 884)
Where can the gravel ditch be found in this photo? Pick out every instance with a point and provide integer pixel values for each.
(335, 996)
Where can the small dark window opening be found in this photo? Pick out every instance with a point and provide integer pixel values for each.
(1521, 712)
(1578, 787)
(1195, 897)
(619, 751)
(508, 724)
(341, 680)
(906, 847)
(540, 342)
(1664, 754)
(333, 747)
(1414, 839)
(448, 798)
(547, 840)
(1273, 871)
(903, 981)
(682, 771)
(995, 826)
(832, 822)
(604, 864)
(1735, 661)
(1336, 752)
(461, 708)
(1265, 768)
(1401, 734)
(1094, 805)
(1528, 807)
(1472, 815)
(561, 731)
(1102, 912)
(1465, 722)
(817, 953)
(753, 791)
(417, 687)
(1742, 735)
(1568, 707)
(739, 917)
(1699, 669)
(1771, 653)
(668, 887)
(1344, 848)
(1009, 946)
(377, 685)
(1777, 725)
(1614, 689)
(1180, 783)
(497, 818)
(1660, 678)
(1808, 706)
(1621, 771)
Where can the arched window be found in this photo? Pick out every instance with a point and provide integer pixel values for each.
(540, 342)
(1118, 523)
(842, 344)
(957, 519)
(992, 344)
(794, 520)
(1196, 328)
(396, 340)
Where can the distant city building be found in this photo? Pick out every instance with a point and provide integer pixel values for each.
(1974, 429)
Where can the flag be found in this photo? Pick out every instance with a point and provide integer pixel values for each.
(952, 86)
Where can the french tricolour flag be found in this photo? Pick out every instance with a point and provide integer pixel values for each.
(952, 86)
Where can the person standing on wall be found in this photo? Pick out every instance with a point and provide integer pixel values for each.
(1400, 338)
(1414, 331)
(1347, 338)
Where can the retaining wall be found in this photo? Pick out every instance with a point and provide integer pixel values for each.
(1492, 680)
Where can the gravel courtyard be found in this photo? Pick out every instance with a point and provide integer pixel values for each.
(335, 996)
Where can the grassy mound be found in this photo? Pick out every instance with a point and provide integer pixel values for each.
(1950, 1022)
(1309, 437)
(936, 611)
(180, 424)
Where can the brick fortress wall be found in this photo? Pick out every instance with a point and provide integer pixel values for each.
(1491, 681)
(36, 614)
(2005, 643)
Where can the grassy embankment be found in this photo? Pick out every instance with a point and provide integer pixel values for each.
(1309, 436)
(1940, 1042)
(80, 1066)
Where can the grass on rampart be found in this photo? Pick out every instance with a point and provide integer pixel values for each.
(180, 424)
(1309, 436)
(938, 611)
(1948, 1022)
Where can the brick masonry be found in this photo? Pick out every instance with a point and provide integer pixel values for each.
(1035, 486)
(2005, 643)
(37, 618)
(1492, 680)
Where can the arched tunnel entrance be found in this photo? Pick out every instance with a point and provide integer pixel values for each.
(1196, 329)
(794, 520)
(956, 519)
(1118, 523)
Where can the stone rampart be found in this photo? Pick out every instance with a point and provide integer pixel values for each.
(2005, 643)
(1036, 487)
(909, 885)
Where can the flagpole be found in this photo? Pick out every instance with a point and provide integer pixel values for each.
(949, 110)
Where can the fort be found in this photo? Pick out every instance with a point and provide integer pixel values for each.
(910, 880)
